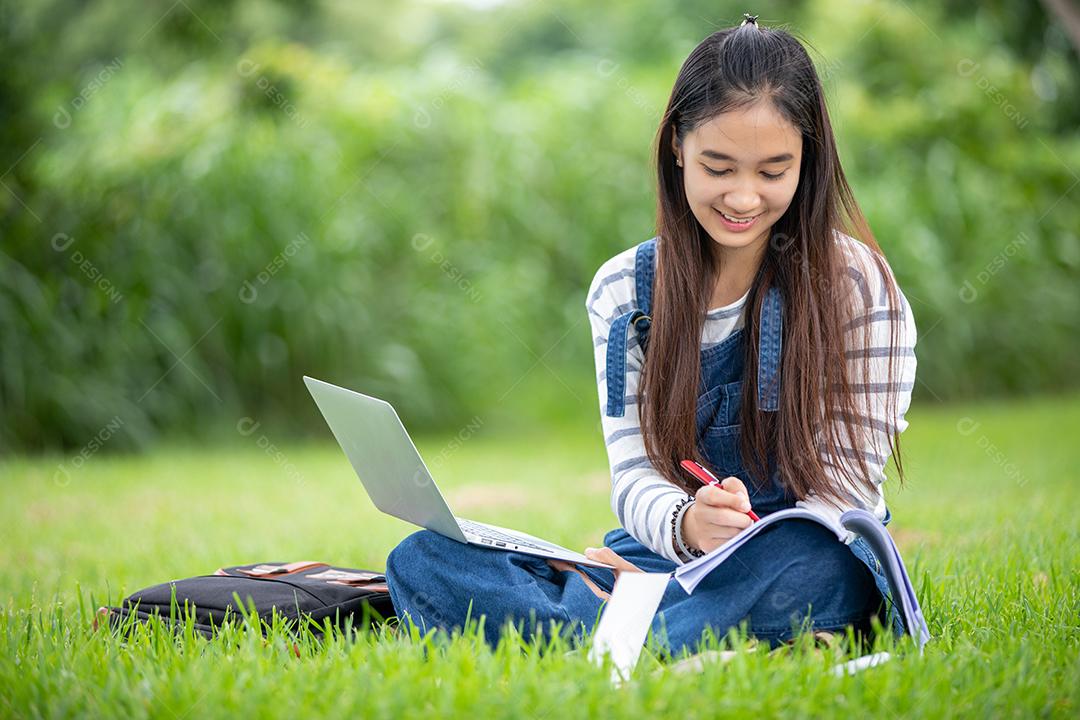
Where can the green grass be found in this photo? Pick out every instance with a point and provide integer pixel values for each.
(987, 523)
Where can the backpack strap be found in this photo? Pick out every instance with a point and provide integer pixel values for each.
(618, 336)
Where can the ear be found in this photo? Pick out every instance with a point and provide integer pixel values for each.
(676, 148)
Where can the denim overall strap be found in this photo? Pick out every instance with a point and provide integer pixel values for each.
(618, 336)
(769, 344)
(644, 271)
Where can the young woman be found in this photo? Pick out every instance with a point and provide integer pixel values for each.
(753, 335)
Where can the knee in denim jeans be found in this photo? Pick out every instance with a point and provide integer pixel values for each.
(828, 587)
(413, 544)
(416, 553)
(409, 572)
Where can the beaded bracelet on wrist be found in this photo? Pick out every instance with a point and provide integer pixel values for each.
(676, 527)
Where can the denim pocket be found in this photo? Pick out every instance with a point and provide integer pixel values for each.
(721, 445)
(708, 403)
(719, 426)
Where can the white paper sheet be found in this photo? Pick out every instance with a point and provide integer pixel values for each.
(852, 667)
(624, 626)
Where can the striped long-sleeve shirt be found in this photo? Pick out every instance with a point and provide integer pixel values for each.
(641, 498)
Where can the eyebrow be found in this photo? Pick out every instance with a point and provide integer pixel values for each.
(774, 159)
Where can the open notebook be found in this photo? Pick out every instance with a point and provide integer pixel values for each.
(860, 522)
(636, 596)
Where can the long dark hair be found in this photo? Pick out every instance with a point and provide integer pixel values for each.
(732, 69)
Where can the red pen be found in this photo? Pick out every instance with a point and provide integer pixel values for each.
(707, 478)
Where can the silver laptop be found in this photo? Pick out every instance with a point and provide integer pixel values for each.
(391, 470)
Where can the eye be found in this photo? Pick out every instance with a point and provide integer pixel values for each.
(767, 176)
(715, 173)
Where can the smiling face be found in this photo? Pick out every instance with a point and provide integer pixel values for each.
(744, 164)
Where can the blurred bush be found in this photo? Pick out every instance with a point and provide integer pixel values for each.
(192, 224)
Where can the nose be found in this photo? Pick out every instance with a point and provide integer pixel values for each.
(742, 199)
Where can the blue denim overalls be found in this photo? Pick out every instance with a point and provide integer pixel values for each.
(720, 399)
(769, 582)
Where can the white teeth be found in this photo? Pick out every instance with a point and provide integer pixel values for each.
(736, 220)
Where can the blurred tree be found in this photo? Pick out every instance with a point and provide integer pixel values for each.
(204, 201)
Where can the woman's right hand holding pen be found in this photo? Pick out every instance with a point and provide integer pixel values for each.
(718, 513)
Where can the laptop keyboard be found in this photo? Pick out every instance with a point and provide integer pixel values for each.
(499, 539)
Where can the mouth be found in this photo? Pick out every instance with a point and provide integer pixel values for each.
(733, 222)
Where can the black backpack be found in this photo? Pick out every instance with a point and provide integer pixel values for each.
(303, 593)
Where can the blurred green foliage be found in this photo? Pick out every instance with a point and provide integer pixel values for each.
(207, 200)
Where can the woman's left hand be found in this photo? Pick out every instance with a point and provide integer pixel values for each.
(609, 556)
(604, 555)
